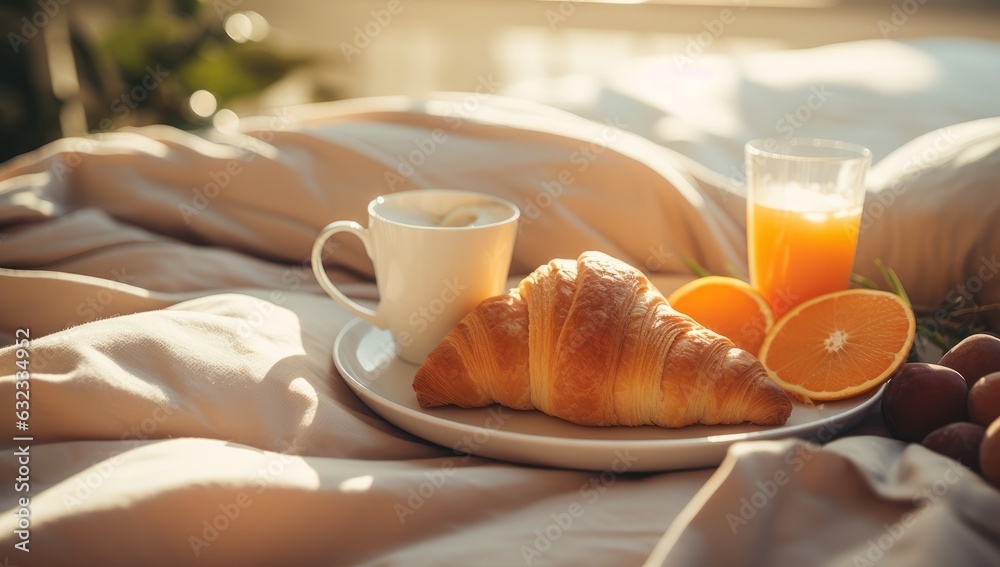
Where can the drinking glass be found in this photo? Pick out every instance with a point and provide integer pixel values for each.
(804, 202)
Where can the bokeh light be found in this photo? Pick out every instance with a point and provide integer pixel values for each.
(246, 26)
(203, 103)
(226, 120)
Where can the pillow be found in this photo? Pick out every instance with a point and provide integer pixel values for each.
(932, 214)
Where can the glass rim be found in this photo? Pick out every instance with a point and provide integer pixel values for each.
(755, 147)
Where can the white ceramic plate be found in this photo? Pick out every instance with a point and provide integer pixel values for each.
(367, 362)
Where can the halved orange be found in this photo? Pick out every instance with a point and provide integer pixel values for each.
(840, 344)
(727, 306)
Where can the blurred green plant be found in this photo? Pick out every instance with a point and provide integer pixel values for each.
(142, 69)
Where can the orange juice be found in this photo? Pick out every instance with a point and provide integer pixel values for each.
(802, 250)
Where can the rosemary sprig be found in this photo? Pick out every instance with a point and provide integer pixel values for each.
(863, 281)
(734, 272)
(693, 265)
(943, 326)
(893, 280)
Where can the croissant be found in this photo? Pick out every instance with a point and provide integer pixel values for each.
(593, 342)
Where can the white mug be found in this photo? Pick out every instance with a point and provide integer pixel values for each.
(437, 253)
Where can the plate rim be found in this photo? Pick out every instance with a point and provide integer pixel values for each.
(768, 433)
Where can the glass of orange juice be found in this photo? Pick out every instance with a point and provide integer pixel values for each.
(804, 201)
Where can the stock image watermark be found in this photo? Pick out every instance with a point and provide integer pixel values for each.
(899, 16)
(581, 158)
(229, 512)
(33, 25)
(560, 13)
(792, 121)
(712, 29)
(94, 306)
(22, 442)
(122, 107)
(407, 165)
(963, 293)
(589, 494)
(892, 533)
(292, 277)
(464, 448)
(768, 489)
(455, 116)
(97, 305)
(659, 257)
(787, 126)
(130, 99)
(221, 178)
(421, 318)
(881, 200)
(85, 486)
(987, 270)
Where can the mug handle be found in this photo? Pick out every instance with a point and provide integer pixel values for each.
(324, 282)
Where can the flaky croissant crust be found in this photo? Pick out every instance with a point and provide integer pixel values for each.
(592, 341)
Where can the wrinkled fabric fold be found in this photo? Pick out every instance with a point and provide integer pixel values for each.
(856, 501)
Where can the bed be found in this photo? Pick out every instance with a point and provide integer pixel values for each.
(184, 404)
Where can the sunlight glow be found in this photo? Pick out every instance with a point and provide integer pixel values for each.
(31, 201)
(914, 70)
(357, 483)
(304, 390)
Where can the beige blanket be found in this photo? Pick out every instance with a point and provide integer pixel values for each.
(184, 407)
